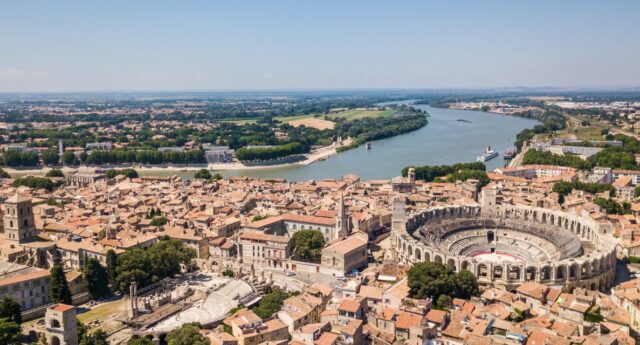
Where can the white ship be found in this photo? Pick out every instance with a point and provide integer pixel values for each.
(487, 155)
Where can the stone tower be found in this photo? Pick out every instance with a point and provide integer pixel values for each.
(411, 175)
(19, 225)
(342, 220)
(61, 325)
(399, 214)
(488, 200)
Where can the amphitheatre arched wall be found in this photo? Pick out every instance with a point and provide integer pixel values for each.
(585, 248)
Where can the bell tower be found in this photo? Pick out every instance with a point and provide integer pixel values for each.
(342, 220)
(19, 225)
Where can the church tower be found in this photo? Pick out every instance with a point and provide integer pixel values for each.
(342, 221)
(19, 225)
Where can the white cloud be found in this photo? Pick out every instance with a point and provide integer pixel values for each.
(11, 73)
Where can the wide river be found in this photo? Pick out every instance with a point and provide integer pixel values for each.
(445, 140)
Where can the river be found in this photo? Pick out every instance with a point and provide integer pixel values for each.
(445, 140)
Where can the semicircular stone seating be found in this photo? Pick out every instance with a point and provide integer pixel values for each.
(535, 244)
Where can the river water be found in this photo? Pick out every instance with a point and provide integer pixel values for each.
(445, 140)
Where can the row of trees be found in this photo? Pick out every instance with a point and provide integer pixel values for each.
(205, 174)
(268, 153)
(375, 128)
(19, 159)
(130, 173)
(613, 207)
(543, 157)
(430, 172)
(36, 182)
(119, 156)
(465, 174)
(563, 188)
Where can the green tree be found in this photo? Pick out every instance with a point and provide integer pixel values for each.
(188, 334)
(69, 158)
(83, 157)
(112, 264)
(217, 177)
(147, 266)
(99, 337)
(10, 333)
(430, 172)
(54, 173)
(270, 303)
(138, 340)
(50, 157)
(60, 292)
(35, 182)
(130, 173)
(593, 314)
(466, 285)
(613, 207)
(463, 175)
(96, 279)
(307, 245)
(431, 280)
(443, 302)
(518, 315)
(10, 310)
(159, 221)
(4, 174)
(203, 174)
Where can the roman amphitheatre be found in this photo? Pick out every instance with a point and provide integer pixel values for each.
(507, 245)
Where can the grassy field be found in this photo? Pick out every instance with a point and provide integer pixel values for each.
(240, 121)
(351, 115)
(585, 133)
(313, 122)
(294, 117)
(107, 313)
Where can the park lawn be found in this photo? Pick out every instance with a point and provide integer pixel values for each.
(108, 313)
(351, 115)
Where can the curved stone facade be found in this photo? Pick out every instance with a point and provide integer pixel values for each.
(547, 246)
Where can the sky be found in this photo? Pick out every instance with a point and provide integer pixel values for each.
(153, 45)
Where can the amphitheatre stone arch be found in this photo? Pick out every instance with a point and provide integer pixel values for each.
(507, 245)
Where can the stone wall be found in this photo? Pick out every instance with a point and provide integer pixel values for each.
(594, 270)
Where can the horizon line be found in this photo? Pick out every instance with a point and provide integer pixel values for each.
(396, 89)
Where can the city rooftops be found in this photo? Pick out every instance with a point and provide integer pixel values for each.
(257, 236)
(24, 277)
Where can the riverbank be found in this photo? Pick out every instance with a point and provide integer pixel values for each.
(310, 158)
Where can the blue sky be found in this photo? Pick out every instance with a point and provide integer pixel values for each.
(232, 45)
